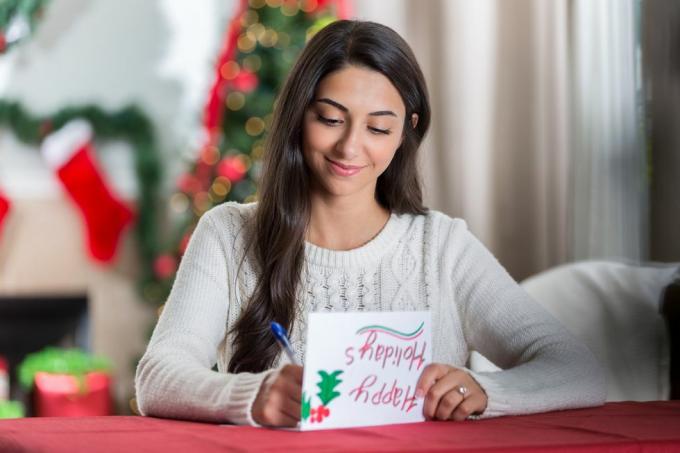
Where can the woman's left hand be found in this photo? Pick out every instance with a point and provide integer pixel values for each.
(450, 393)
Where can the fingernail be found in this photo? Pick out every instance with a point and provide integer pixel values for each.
(419, 393)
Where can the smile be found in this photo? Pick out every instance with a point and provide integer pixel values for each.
(343, 170)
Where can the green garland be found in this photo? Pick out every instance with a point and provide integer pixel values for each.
(13, 10)
(128, 124)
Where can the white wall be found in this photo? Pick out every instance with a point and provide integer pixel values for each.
(394, 16)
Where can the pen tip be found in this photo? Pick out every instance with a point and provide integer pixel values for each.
(277, 328)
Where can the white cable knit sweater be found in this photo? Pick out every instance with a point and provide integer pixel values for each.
(428, 262)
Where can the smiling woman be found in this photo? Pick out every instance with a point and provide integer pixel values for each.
(340, 226)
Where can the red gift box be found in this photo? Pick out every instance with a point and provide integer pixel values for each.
(62, 395)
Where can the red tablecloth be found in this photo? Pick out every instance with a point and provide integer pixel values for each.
(629, 427)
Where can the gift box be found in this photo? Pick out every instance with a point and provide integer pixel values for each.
(67, 382)
(66, 395)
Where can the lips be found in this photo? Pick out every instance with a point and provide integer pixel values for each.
(343, 170)
(346, 167)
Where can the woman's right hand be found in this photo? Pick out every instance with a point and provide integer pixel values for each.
(278, 401)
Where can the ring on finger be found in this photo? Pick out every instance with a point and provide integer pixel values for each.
(462, 390)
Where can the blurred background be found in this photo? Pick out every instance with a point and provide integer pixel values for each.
(554, 136)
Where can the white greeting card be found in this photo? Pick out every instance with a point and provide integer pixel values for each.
(361, 368)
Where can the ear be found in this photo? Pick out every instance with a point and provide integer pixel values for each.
(414, 122)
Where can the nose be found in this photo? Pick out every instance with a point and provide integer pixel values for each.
(349, 144)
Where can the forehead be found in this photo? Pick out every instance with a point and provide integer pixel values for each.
(361, 89)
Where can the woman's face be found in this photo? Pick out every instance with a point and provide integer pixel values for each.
(351, 131)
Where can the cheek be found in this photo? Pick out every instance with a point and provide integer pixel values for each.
(319, 137)
(383, 154)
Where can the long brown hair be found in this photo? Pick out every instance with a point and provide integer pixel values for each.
(283, 211)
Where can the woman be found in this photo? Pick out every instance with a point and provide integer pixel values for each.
(340, 226)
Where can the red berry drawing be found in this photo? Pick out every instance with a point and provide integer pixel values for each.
(319, 414)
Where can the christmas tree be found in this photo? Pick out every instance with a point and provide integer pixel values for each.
(262, 43)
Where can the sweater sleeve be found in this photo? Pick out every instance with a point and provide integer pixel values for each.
(174, 378)
(543, 366)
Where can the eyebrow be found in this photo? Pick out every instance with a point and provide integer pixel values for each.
(345, 109)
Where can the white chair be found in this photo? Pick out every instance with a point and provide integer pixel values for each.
(615, 309)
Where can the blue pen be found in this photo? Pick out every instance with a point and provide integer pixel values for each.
(282, 338)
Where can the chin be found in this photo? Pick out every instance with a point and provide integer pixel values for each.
(340, 191)
(334, 189)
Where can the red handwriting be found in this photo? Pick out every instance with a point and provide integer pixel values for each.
(393, 395)
(372, 350)
(349, 355)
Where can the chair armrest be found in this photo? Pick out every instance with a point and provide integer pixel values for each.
(670, 309)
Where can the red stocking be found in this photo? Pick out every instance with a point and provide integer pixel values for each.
(70, 153)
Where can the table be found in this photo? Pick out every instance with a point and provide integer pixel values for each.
(652, 426)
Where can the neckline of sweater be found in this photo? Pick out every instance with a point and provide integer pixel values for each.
(365, 254)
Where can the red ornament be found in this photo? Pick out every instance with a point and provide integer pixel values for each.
(233, 168)
(188, 183)
(3, 42)
(203, 174)
(165, 266)
(321, 4)
(245, 81)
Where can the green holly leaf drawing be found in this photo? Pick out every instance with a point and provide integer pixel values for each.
(306, 406)
(327, 386)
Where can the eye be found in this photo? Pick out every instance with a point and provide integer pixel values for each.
(380, 131)
(328, 121)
